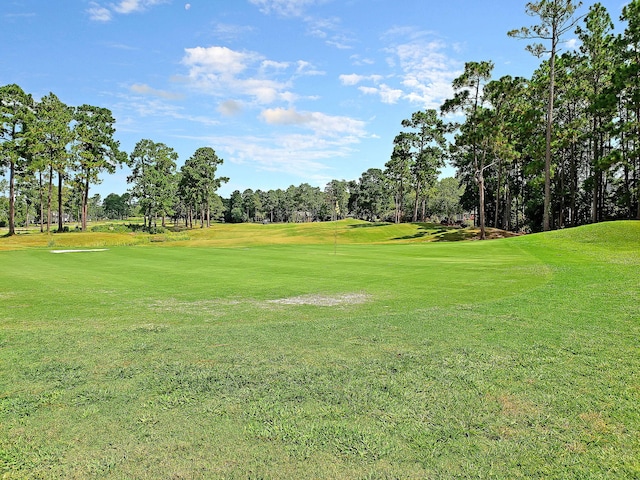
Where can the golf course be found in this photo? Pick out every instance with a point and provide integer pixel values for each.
(334, 350)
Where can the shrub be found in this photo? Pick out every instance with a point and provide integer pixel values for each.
(111, 228)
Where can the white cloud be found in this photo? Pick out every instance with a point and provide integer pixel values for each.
(355, 79)
(281, 116)
(351, 79)
(339, 43)
(424, 70)
(230, 108)
(98, 13)
(270, 64)
(331, 31)
(427, 71)
(104, 12)
(120, 46)
(286, 8)
(130, 6)
(359, 60)
(301, 155)
(144, 89)
(133, 108)
(229, 32)
(327, 29)
(220, 71)
(306, 155)
(572, 44)
(218, 60)
(321, 124)
(307, 69)
(390, 95)
(387, 94)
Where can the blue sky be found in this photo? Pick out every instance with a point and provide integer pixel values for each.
(285, 91)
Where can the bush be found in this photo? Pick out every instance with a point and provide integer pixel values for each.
(111, 228)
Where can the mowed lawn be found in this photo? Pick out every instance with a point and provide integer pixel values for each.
(325, 351)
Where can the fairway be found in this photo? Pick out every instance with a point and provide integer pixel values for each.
(325, 351)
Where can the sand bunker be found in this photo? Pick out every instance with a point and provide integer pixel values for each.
(82, 250)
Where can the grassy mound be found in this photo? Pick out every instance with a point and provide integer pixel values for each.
(296, 356)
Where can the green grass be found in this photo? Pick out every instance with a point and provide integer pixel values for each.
(247, 234)
(382, 355)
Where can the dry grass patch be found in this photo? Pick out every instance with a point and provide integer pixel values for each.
(512, 406)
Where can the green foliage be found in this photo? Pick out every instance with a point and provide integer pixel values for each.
(444, 200)
(198, 184)
(117, 206)
(95, 149)
(16, 114)
(153, 168)
(114, 228)
(373, 195)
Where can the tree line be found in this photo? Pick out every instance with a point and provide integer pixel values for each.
(561, 148)
(41, 141)
(369, 198)
(51, 154)
(558, 149)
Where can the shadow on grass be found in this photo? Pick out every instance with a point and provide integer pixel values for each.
(412, 237)
(433, 230)
(370, 225)
(456, 235)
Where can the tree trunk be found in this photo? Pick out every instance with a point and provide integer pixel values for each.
(416, 203)
(12, 199)
(49, 195)
(26, 220)
(480, 176)
(562, 200)
(573, 220)
(41, 192)
(547, 154)
(60, 214)
(637, 177)
(497, 212)
(506, 219)
(596, 189)
(85, 202)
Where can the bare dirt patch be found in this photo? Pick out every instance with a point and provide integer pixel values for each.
(218, 307)
(324, 300)
(81, 250)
